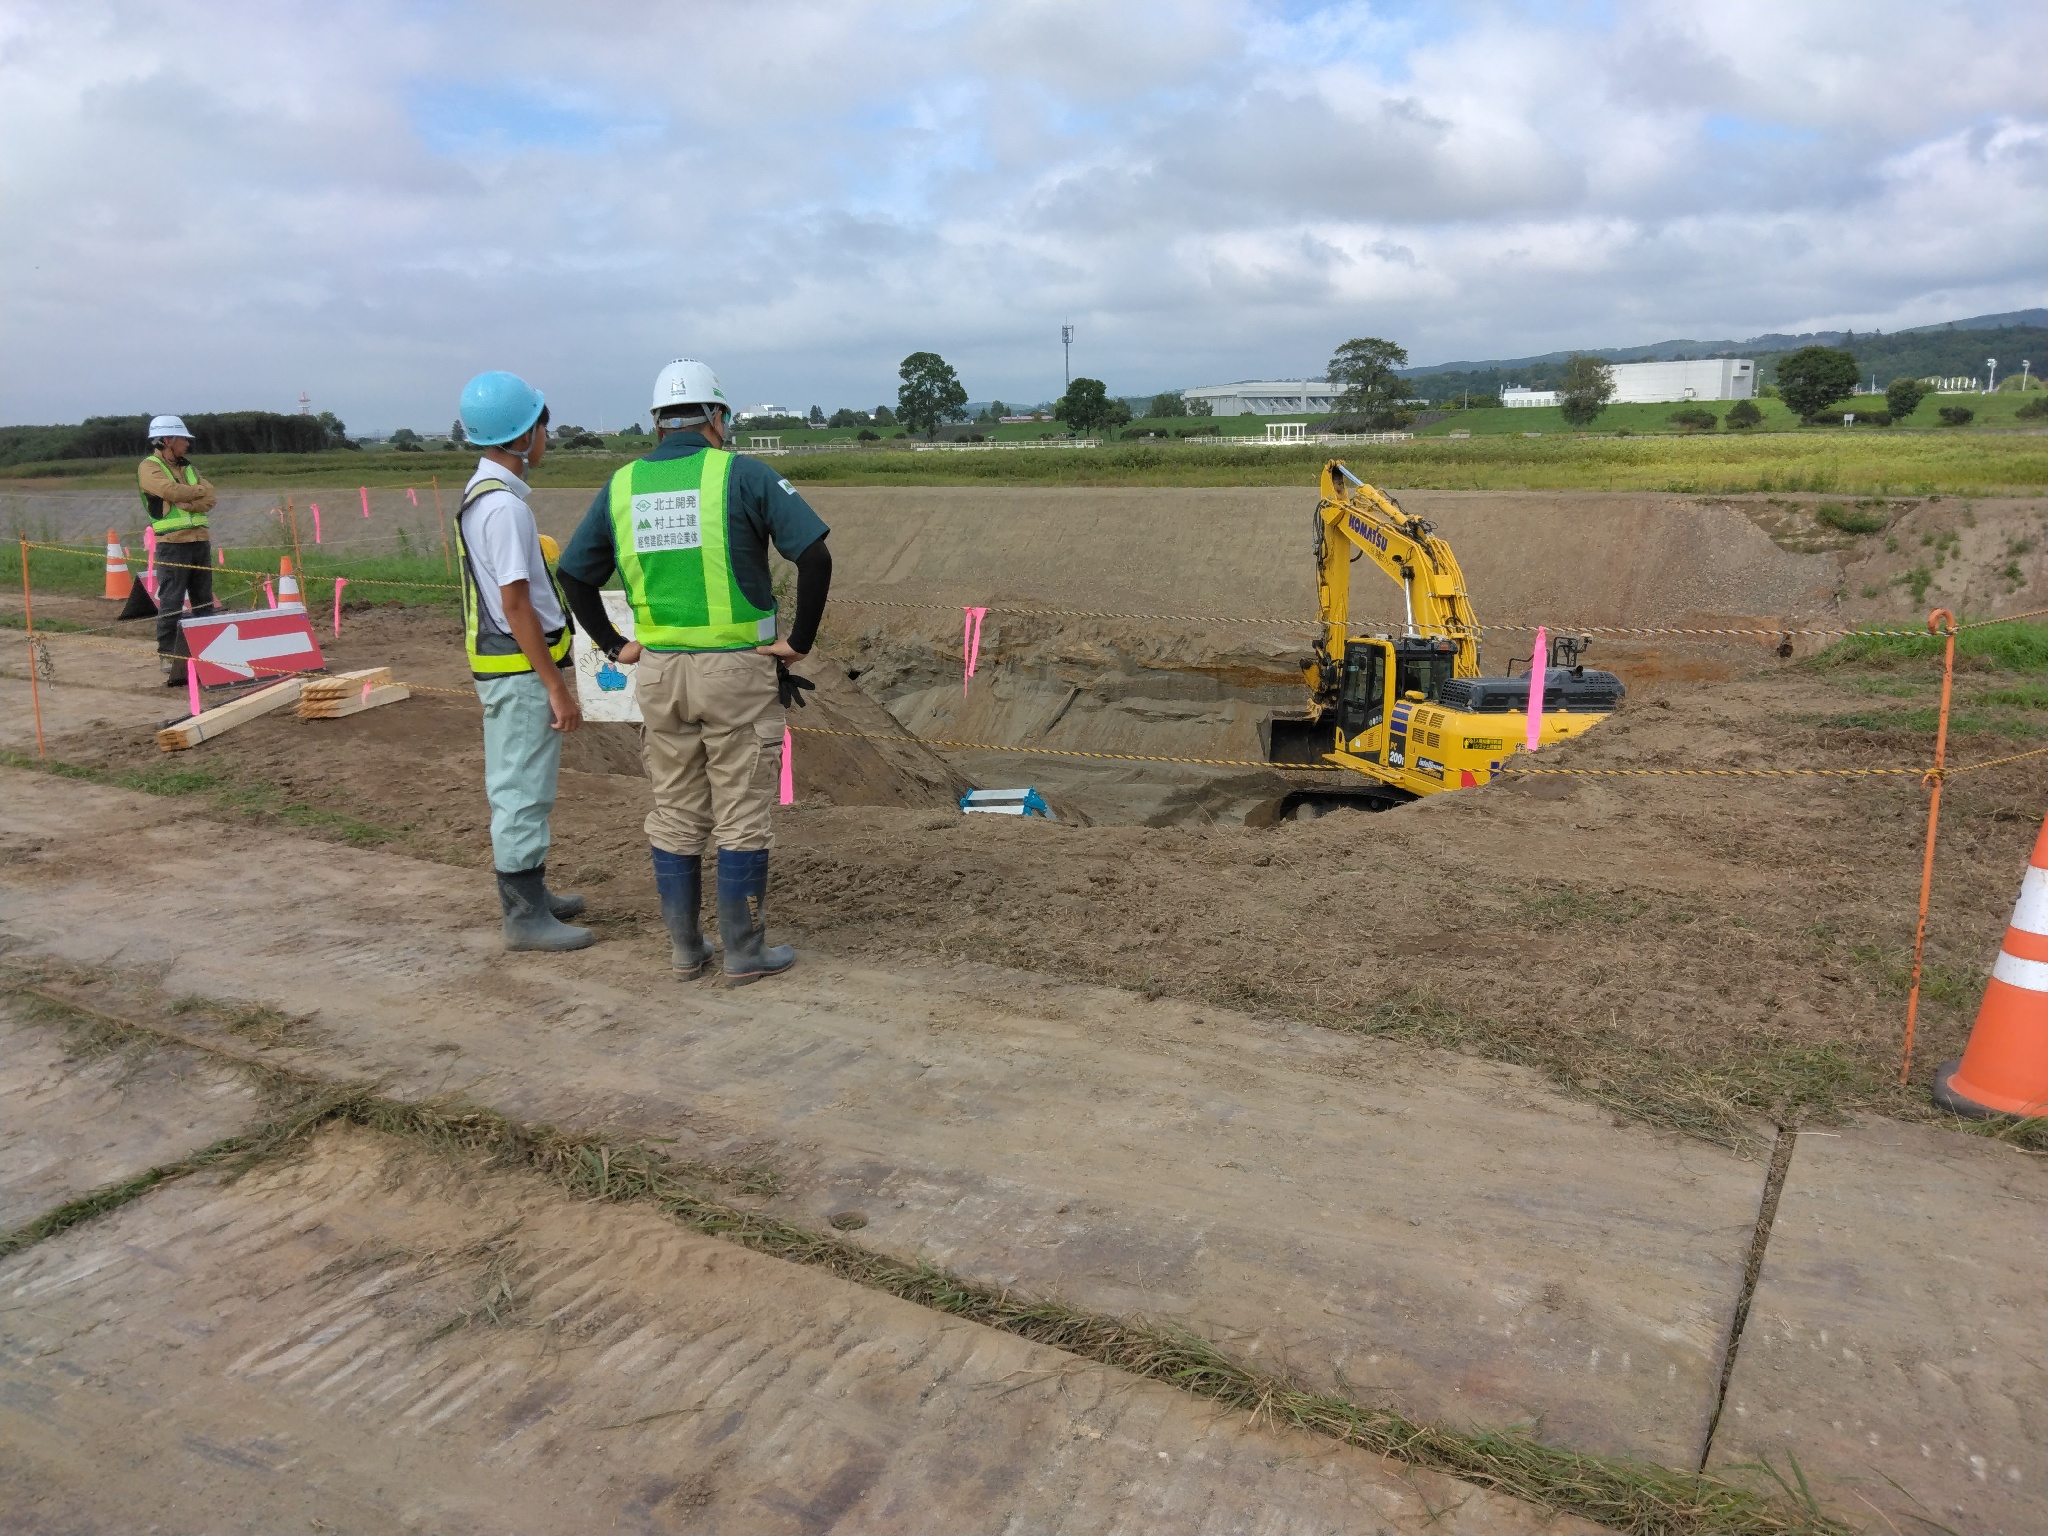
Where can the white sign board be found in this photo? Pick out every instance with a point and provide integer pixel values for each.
(605, 691)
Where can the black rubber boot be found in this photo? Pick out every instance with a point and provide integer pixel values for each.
(528, 922)
(743, 918)
(679, 880)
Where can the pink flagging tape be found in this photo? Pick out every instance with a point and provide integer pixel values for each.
(269, 593)
(339, 583)
(970, 641)
(149, 571)
(316, 522)
(412, 495)
(366, 499)
(222, 559)
(1539, 662)
(788, 771)
(192, 685)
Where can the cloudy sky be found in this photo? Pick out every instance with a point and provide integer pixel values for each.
(214, 204)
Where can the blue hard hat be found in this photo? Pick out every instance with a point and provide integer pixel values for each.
(499, 406)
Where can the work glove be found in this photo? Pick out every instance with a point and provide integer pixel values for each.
(791, 688)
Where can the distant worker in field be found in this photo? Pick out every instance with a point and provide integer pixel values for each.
(176, 499)
(517, 632)
(688, 528)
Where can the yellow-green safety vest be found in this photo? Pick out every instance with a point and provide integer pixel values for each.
(163, 516)
(669, 535)
(494, 652)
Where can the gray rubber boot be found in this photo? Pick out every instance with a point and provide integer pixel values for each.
(565, 905)
(743, 918)
(528, 922)
(679, 881)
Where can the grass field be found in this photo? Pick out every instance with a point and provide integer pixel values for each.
(409, 579)
(1835, 460)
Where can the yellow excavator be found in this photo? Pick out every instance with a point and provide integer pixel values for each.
(1410, 714)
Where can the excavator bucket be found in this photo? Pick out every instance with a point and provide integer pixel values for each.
(1298, 740)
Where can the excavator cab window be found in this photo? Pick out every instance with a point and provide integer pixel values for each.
(1424, 666)
(1363, 702)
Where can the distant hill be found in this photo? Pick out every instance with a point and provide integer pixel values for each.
(1950, 347)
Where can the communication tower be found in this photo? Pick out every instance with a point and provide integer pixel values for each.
(305, 403)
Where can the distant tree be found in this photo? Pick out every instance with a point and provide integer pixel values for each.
(817, 417)
(847, 418)
(1086, 407)
(1172, 403)
(405, 437)
(1743, 415)
(1362, 370)
(884, 417)
(333, 432)
(1955, 415)
(1693, 418)
(632, 429)
(931, 393)
(1814, 378)
(1200, 407)
(997, 410)
(1902, 397)
(456, 435)
(1585, 389)
(866, 435)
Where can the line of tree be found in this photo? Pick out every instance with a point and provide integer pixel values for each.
(127, 437)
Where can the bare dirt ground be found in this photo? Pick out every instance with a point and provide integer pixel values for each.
(1705, 955)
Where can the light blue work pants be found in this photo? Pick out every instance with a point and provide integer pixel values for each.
(522, 761)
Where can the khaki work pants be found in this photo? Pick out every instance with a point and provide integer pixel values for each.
(713, 748)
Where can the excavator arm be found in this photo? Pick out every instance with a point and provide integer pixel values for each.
(1353, 521)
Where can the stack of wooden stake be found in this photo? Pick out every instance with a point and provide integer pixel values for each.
(349, 693)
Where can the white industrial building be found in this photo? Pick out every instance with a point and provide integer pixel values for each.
(1705, 378)
(1266, 397)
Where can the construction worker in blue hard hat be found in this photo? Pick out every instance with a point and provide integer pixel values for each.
(687, 528)
(176, 499)
(516, 629)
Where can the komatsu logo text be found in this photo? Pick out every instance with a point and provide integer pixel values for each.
(1366, 531)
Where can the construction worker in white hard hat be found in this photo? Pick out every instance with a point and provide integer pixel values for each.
(687, 529)
(176, 499)
(516, 631)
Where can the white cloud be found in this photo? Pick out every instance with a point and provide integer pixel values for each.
(216, 203)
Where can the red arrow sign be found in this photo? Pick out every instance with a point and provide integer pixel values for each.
(238, 647)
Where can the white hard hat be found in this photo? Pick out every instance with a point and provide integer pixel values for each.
(687, 382)
(168, 426)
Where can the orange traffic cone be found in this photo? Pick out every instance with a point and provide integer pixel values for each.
(119, 582)
(2004, 1070)
(288, 585)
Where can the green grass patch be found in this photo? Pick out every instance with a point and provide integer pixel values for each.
(172, 779)
(1825, 461)
(1847, 519)
(2015, 647)
(407, 575)
(262, 801)
(255, 800)
(43, 625)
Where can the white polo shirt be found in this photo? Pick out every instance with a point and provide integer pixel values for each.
(504, 546)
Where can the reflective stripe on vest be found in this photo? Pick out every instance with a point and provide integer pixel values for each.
(163, 516)
(494, 652)
(669, 535)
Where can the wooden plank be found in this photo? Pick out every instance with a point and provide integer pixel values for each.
(210, 723)
(354, 704)
(342, 684)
